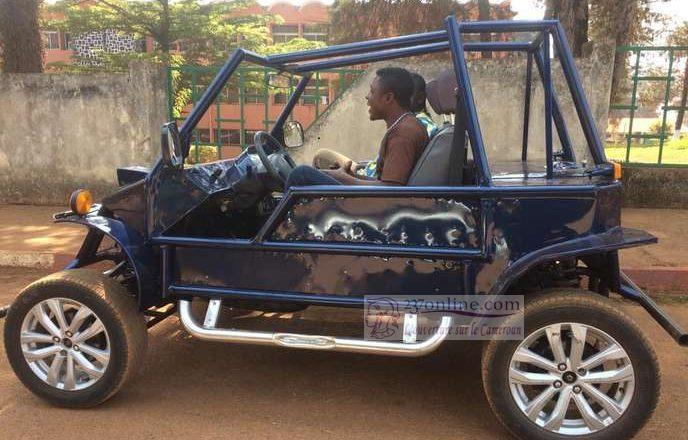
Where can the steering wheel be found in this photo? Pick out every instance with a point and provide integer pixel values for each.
(278, 163)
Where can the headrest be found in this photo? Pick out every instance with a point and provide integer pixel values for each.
(441, 93)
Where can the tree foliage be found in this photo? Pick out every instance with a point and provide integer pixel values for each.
(679, 37)
(621, 22)
(206, 32)
(625, 22)
(22, 47)
(355, 20)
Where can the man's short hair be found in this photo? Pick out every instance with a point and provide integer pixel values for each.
(398, 81)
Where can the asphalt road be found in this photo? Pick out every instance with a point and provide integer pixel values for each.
(203, 390)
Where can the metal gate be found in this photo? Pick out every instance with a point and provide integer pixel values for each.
(248, 103)
(643, 146)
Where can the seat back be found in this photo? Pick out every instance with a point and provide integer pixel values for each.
(433, 166)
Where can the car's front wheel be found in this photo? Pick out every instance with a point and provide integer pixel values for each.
(583, 370)
(75, 337)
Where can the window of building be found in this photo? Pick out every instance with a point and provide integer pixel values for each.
(281, 33)
(230, 95)
(140, 45)
(254, 95)
(230, 137)
(230, 92)
(315, 32)
(280, 98)
(51, 40)
(203, 135)
(248, 136)
(313, 93)
(69, 41)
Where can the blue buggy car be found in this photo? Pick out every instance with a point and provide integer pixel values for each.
(228, 233)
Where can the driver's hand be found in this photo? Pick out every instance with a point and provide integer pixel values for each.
(350, 168)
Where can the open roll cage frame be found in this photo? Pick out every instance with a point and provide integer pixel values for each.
(450, 39)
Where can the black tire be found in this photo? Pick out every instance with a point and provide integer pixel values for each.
(577, 306)
(116, 309)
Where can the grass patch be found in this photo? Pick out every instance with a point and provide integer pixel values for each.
(675, 151)
(669, 298)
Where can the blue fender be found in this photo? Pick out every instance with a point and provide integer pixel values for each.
(614, 239)
(132, 244)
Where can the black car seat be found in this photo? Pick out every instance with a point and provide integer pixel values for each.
(434, 167)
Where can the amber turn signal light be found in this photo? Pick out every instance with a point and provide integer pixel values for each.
(617, 170)
(81, 201)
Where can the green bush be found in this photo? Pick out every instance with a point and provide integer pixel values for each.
(206, 153)
(655, 127)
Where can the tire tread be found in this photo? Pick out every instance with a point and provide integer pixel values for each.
(562, 299)
(119, 303)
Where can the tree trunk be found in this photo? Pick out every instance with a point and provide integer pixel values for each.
(164, 36)
(484, 15)
(22, 47)
(684, 97)
(623, 17)
(573, 15)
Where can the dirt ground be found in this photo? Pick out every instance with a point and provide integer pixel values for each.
(202, 390)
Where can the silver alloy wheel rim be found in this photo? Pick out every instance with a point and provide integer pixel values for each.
(65, 344)
(571, 378)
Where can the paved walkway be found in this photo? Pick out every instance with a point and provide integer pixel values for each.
(661, 267)
(29, 238)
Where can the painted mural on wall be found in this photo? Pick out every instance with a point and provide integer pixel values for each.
(90, 46)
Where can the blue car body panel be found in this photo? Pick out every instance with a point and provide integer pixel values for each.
(139, 254)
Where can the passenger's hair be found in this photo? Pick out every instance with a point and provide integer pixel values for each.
(418, 87)
(399, 82)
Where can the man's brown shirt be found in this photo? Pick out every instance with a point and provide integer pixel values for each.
(400, 149)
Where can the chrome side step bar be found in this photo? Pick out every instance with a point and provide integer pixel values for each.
(312, 342)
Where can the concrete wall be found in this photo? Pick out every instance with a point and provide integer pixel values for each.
(498, 87)
(61, 132)
(655, 187)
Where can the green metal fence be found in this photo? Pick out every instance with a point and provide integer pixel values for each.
(640, 146)
(247, 102)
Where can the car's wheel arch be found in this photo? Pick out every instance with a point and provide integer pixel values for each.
(133, 248)
(598, 251)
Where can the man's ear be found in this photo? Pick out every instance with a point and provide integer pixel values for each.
(388, 97)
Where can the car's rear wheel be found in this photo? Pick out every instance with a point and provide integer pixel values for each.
(75, 337)
(583, 370)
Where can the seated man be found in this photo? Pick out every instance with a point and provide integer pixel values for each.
(330, 159)
(389, 99)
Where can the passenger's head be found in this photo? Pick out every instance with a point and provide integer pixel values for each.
(419, 96)
(390, 92)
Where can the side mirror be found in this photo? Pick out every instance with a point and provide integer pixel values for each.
(171, 148)
(293, 134)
